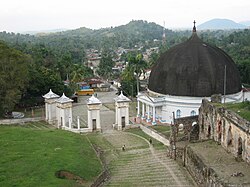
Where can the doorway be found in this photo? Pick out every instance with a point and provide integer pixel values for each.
(123, 122)
(240, 148)
(94, 124)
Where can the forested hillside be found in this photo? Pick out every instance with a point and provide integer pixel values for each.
(75, 42)
(13, 76)
(236, 44)
(31, 64)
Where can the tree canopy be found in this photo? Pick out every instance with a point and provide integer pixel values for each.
(13, 77)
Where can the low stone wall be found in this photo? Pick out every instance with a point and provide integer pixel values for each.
(81, 130)
(202, 174)
(102, 178)
(19, 121)
(154, 134)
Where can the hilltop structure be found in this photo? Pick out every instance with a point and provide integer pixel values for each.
(183, 76)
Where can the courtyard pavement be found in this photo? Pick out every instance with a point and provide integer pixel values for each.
(107, 116)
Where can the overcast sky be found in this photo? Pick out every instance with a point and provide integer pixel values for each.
(33, 15)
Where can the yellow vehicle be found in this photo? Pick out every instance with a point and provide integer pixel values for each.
(85, 92)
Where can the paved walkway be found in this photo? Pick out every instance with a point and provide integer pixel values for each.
(140, 164)
(143, 165)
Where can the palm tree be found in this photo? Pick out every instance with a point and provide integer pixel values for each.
(138, 65)
(77, 73)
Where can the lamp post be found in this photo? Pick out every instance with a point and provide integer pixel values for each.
(174, 136)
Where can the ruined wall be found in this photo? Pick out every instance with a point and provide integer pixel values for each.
(226, 128)
(187, 122)
(189, 126)
(203, 175)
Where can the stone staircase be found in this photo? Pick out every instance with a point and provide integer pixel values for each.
(145, 166)
(39, 125)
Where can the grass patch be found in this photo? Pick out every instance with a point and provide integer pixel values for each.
(243, 108)
(139, 132)
(165, 130)
(109, 152)
(31, 157)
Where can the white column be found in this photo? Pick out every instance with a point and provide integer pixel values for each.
(46, 111)
(119, 122)
(147, 109)
(143, 110)
(70, 113)
(58, 116)
(116, 114)
(98, 121)
(148, 114)
(78, 122)
(127, 117)
(153, 123)
(49, 113)
(70, 121)
(138, 108)
(63, 119)
(90, 126)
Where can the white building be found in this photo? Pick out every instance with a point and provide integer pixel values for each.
(183, 76)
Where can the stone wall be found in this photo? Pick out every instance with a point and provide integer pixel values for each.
(203, 175)
(189, 126)
(154, 134)
(187, 122)
(20, 121)
(225, 127)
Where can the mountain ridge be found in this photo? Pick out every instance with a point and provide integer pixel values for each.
(220, 24)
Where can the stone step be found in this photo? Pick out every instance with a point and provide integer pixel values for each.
(157, 183)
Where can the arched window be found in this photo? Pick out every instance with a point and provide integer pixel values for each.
(193, 113)
(229, 137)
(178, 114)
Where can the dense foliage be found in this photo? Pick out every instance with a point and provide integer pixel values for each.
(106, 65)
(53, 58)
(13, 77)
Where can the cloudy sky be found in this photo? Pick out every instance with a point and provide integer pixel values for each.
(34, 15)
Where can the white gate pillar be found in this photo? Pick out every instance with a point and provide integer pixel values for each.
(64, 112)
(50, 107)
(94, 106)
(122, 111)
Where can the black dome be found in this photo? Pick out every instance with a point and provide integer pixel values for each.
(194, 68)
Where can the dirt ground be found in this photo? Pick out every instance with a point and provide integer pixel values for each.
(223, 163)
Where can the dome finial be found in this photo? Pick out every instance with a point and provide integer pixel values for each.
(194, 28)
